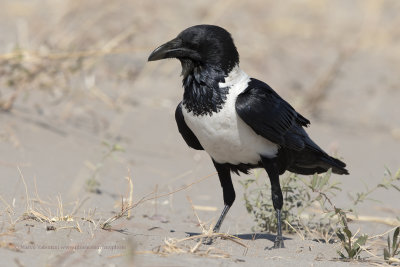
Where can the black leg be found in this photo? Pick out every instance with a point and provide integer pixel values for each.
(221, 218)
(279, 239)
(225, 179)
(277, 199)
(224, 175)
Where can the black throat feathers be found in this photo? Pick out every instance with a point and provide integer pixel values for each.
(202, 94)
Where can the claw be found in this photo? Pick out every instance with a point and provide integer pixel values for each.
(278, 243)
(208, 240)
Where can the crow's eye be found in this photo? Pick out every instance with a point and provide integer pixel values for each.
(190, 43)
(191, 40)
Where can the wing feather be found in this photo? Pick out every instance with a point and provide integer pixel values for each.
(187, 134)
(270, 116)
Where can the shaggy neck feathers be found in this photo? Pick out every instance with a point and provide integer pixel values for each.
(206, 88)
(203, 93)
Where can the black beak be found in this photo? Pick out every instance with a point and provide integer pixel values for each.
(168, 50)
(173, 49)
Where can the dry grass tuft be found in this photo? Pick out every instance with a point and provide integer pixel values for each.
(194, 244)
(180, 246)
(125, 208)
(56, 217)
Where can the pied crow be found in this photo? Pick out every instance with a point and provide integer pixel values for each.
(241, 122)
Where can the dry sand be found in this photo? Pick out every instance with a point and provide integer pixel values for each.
(74, 78)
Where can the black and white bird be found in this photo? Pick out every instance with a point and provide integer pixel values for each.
(241, 122)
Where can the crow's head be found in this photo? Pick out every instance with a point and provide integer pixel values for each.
(200, 46)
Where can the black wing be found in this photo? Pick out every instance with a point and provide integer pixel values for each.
(270, 116)
(187, 134)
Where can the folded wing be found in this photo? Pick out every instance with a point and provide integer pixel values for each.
(270, 116)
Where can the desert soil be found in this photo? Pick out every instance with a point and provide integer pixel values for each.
(74, 83)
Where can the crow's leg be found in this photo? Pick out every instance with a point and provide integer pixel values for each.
(229, 195)
(277, 199)
(221, 218)
(224, 175)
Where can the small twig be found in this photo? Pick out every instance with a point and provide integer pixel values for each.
(38, 199)
(5, 202)
(28, 205)
(78, 205)
(232, 238)
(385, 233)
(294, 229)
(203, 230)
(182, 188)
(382, 220)
(130, 192)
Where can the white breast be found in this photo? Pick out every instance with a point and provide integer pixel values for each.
(224, 135)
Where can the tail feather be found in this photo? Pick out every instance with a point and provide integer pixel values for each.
(312, 160)
(306, 157)
(337, 166)
(324, 160)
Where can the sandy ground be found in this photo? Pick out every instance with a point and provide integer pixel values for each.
(75, 82)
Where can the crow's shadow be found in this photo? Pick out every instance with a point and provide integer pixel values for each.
(252, 236)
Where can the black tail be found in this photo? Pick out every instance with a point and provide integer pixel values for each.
(312, 159)
(310, 164)
(337, 166)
